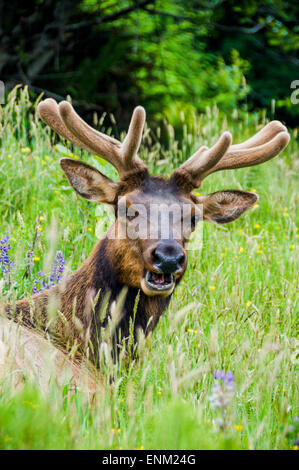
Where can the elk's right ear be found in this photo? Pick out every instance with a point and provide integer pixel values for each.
(89, 182)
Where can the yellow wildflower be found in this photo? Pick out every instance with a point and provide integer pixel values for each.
(37, 258)
(238, 427)
(248, 303)
(257, 226)
(212, 287)
(292, 246)
(241, 249)
(255, 206)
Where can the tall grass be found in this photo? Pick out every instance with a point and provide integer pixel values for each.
(236, 308)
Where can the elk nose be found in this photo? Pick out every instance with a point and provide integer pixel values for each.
(168, 257)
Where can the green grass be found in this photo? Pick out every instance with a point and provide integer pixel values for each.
(235, 308)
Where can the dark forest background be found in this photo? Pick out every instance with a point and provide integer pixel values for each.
(170, 56)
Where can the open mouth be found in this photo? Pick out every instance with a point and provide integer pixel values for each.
(159, 281)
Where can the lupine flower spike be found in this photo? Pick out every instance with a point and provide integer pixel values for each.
(56, 275)
(222, 394)
(5, 262)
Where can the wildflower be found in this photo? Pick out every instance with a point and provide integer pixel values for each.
(47, 157)
(198, 345)
(292, 246)
(257, 226)
(238, 427)
(259, 252)
(39, 228)
(222, 255)
(212, 287)
(25, 149)
(56, 191)
(40, 283)
(43, 162)
(255, 206)
(189, 330)
(9, 156)
(37, 258)
(248, 303)
(241, 249)
(240, 232)
(57, 267)
(222, 393)
(41, 218)
(5, 262)
(253, 190)
(89, 229)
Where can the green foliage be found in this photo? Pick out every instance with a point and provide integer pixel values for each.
(167, 55)
(236, 308)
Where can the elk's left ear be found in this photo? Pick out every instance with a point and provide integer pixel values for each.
(89, 182)
(225, 206)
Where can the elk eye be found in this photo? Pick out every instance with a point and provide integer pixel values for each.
(194, 220)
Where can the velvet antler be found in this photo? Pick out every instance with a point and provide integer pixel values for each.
(122, 155)
(263, 146)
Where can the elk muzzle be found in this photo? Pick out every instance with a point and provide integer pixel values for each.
(167, 262)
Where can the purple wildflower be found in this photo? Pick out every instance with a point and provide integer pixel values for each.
(5, 262)
(56, 274)
(57, 267)
(222, 394)
(226, 377)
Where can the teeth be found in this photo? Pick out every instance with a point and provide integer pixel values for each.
(160, 280)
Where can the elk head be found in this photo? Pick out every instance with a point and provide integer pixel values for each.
(156, 260)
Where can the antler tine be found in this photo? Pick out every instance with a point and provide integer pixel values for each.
(205, 159)
(49, 112)
(131, 144)
(263, 146)
(264, 135)
(123, 156)
(241, 156)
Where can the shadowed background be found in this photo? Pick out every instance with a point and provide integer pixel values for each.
(171, 55)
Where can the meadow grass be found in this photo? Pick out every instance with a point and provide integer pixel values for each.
(235, 309)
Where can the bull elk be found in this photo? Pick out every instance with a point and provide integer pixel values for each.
(148, 268)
